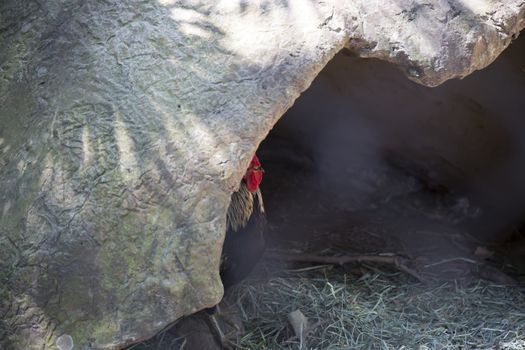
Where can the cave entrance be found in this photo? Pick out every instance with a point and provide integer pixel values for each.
(429, 181)
(367, 161)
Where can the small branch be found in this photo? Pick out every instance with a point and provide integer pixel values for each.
(446, 261)
(397, 261)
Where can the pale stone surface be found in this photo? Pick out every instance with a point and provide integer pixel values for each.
(125, 126)
(433, 41)
(64, 342)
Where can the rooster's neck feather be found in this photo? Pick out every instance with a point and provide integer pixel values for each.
(241, 207)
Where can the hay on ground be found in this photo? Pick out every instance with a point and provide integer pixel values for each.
(380, 310)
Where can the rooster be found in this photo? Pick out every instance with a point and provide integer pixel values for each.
(244, 242)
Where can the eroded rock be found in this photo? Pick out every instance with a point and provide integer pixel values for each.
(126, 125)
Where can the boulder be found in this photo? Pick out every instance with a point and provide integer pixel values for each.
(126, 125)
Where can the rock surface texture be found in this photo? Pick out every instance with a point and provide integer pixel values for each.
(126, 125)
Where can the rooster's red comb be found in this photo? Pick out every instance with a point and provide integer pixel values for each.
(254, 174)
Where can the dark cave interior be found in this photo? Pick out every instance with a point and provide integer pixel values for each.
(368, 161)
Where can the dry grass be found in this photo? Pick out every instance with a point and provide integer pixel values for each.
(380, 310)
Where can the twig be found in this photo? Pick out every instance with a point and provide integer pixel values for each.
(397, 261)
(451, 260)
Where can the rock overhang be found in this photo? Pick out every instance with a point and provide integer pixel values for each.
(137, 121)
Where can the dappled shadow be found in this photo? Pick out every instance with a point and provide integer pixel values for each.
(122, 163)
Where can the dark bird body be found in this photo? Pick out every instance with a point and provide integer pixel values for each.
(244, 243)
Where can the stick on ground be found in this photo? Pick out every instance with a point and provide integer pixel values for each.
(399, 262)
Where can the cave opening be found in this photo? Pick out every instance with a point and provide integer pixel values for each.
(367, 161)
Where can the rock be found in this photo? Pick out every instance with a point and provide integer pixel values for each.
(436, 41)
(299, 324)
(126, 125)
(64, 342)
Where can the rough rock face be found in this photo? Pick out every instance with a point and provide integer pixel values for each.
(126, 125)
